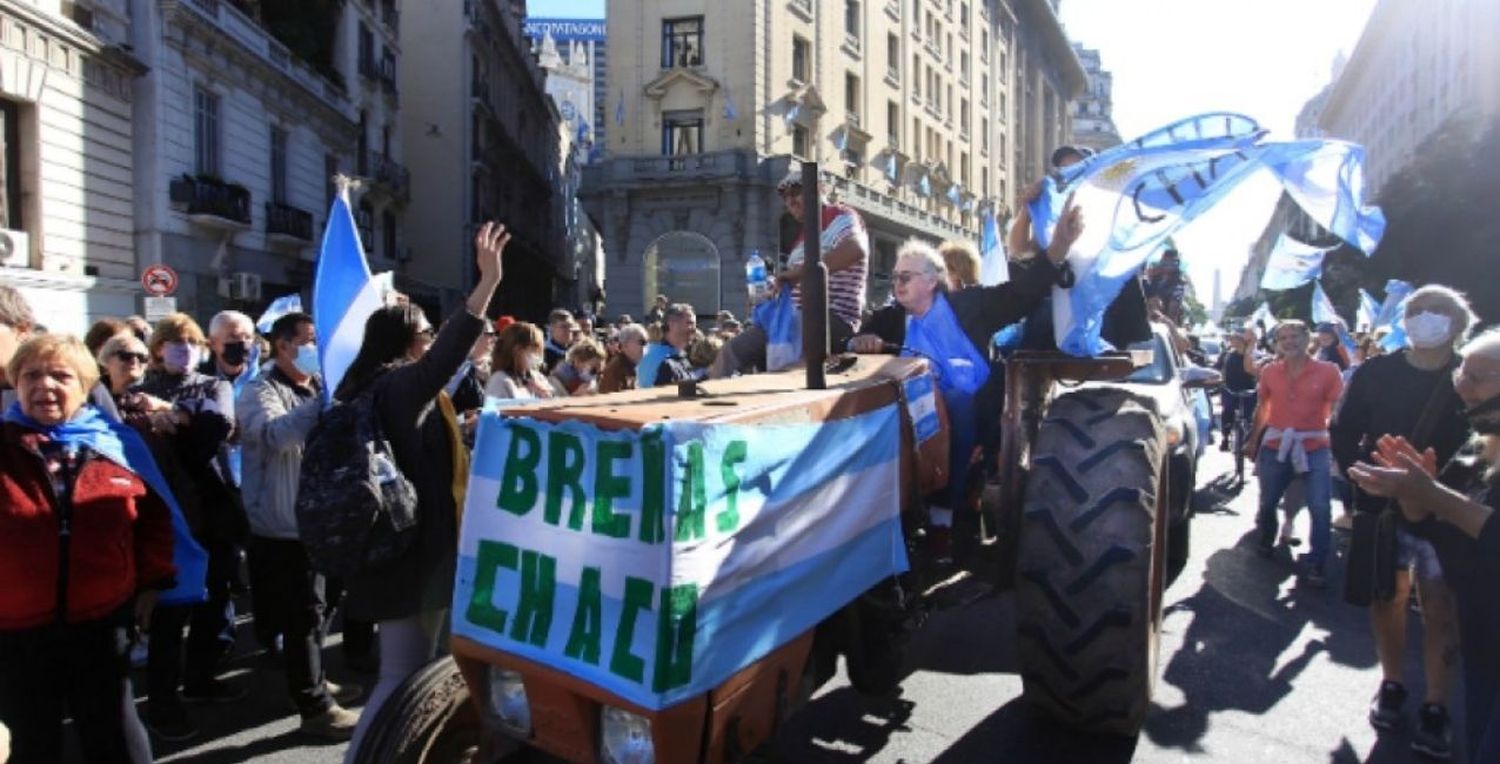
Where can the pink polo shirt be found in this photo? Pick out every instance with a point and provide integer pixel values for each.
(1304, 402)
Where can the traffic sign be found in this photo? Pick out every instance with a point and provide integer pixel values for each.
(159, 280)
(158, 308)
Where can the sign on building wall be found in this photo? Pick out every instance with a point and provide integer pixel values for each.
(584, 30)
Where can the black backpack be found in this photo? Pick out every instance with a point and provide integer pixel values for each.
(355, 510)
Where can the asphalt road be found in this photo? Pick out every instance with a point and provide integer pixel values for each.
(1253, 668)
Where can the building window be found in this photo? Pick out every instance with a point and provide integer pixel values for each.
(852, 18)
(984, 46)
(801, 59)
(984, 135)
(963, 116)
(206, 131)
(682, 42)
(851, 96)
(963, 67)
(682, 133)
(893, 123)
(963, 171)
(367, 66)
(984, 179)
(10, 139)
(800, 144)
(278, 165)
(388, 233)
(963, 17)
(893, 57)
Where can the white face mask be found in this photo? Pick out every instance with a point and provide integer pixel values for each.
(534, 362)
(1428, 330)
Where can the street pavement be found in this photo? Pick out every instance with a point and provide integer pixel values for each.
(1253, 668)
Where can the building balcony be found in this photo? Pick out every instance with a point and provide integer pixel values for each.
(893, 77)
(211, 202)
(391, 17)
(228, 19)
(390, 179)
(287, 224)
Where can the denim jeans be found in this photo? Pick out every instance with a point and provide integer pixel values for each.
(1275, 476)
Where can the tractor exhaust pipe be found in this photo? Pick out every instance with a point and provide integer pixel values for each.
(814, 281)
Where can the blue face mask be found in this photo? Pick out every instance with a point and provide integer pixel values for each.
(307, 359)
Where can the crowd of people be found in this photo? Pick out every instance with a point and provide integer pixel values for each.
(136, 425)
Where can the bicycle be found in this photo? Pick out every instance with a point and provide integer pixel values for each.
(1243, 422)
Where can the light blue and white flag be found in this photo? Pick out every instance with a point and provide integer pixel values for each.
(1263, 317)
(840, 138)
(730, 113)
(955, 195)
(1136, 195)
(1364, 319)
(924, 185)
(656, 564)
(291, 303)
(1292, 263)
(994, 268)
(1392, 313)
(344, 294)
(1323, 311)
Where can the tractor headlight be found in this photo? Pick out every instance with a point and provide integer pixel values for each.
(507, 702)
(625, 738)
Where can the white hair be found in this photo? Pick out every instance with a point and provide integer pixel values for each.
(225, 320)
(1486, 345)
(630, 332)
(1452, 303)
(928, 254)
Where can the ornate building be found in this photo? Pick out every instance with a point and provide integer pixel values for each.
(923, 114)
(1093, 112)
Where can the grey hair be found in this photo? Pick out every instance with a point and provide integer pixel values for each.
(14, 311)
(630, 332)
(1453, 303)
(122, 341)
(1485, 345)
(225, 320)
(929, 255)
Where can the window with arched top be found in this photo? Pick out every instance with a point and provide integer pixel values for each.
(684, 266)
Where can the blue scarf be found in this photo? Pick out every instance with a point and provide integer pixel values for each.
(124, 446)
(938, 337)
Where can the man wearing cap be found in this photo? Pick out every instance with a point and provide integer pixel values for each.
(846, 253)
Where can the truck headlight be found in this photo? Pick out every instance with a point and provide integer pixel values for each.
(507, 702)
(625, 738)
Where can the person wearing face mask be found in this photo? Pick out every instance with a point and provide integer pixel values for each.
(231, 336)
(577, 373)
(516, 364)
(201, 420)
(1457, 514)
(1409, 393)
(275, 414)
(619, 373)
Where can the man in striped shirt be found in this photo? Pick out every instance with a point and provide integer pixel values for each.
(846, 253)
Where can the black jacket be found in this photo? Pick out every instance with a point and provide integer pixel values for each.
(981, 311)
(407, 399)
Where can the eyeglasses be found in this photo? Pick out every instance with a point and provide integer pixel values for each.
(903, 277)
(125, 356)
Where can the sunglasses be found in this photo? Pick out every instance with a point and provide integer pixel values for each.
(125, 356)
(905, 277)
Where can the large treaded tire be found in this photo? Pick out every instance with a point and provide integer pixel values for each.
(429, 718)
(1090, 570)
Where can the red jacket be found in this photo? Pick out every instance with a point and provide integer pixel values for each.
(121, 538)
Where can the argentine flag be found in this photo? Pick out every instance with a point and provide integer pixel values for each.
(1323, 311)
(1136, 195)
(344, 294)
(1364, 320)
(993, 267)
(1292, 263)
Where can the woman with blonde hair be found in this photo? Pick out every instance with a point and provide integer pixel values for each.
(579, 371)
(962, 262)
(516, 366)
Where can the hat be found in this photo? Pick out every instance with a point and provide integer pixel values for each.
(793, 179)
(504, 321)
(1062, 152)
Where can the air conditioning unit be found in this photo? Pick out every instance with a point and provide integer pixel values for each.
(240, 286)
(15, 248)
